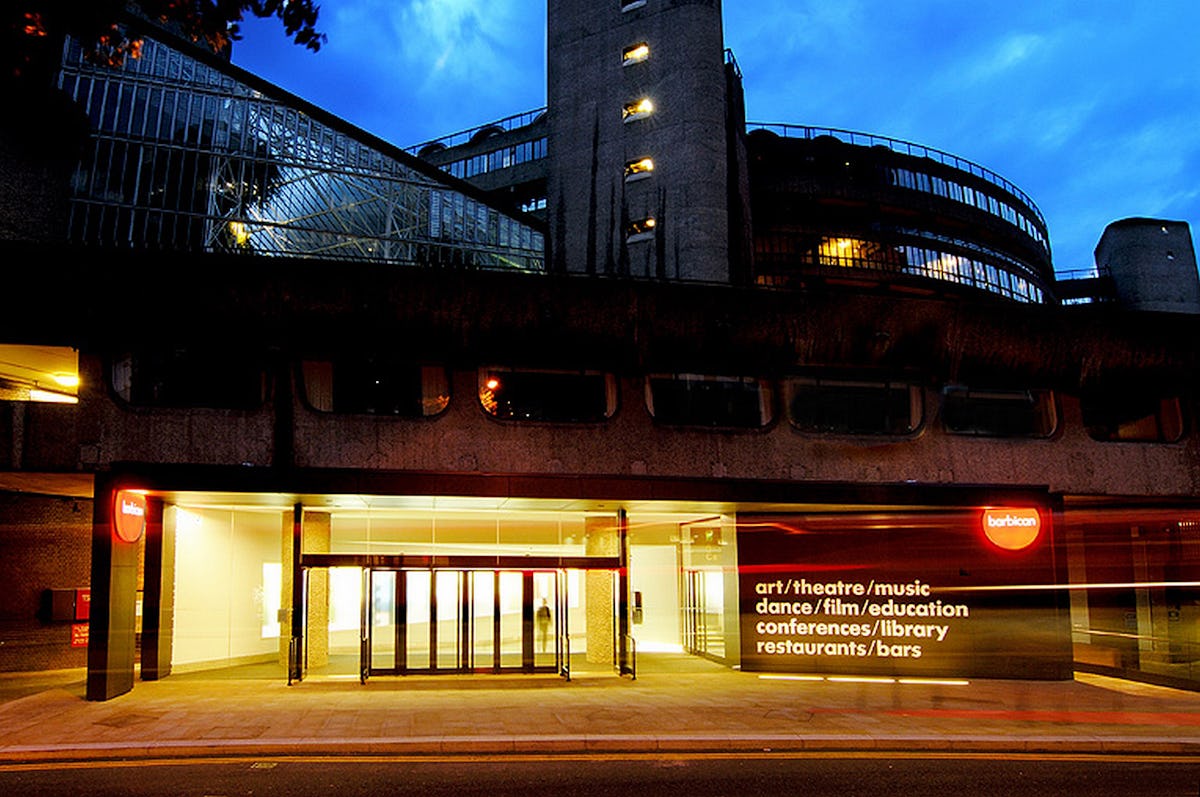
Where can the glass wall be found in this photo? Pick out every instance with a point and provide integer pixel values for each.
(1135, 605)
(188, 155)
(459, 532)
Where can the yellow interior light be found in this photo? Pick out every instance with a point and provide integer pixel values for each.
(641, 227)
(239, 232)
(49, 396)
(643, 166)
(636, 54)
(636, 110)
(67, 380)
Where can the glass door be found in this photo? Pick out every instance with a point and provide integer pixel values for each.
(431, 621)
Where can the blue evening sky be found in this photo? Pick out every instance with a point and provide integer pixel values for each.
(1091, 107)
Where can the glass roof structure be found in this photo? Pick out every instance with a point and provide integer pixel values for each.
(189, 153)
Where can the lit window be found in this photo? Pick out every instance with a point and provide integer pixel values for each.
(640, 230)
(638, 169)
(638, 109)
(635, 54)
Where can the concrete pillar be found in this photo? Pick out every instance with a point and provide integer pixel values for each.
(315, 536)
(158, 594)
(113, 624)
(600, 539)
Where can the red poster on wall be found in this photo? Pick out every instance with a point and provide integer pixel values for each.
(79, 635)
(83, 604)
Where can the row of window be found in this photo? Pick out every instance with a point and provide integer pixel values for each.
(949, 189)
(817, 403)
(496, 160)
(931, 260)
(915, 179)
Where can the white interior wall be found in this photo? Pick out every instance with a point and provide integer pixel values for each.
(219, 585)
(654, 572)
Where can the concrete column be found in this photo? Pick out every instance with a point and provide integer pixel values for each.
(158, 594)
(316, 540)
(315, 531)
(600, 539)
(113, 623)
(286, 581)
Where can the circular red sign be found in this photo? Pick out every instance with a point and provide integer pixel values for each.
(129, 515)
(1012, 528)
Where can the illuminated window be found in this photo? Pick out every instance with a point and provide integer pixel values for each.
(857, 253)
(549, 396)
(638, 169)
(854, 406)
(635, 54)
(717, 401)
(371, 386)
(999, 413)
(1132, 416)
(640, 230)
(638, 109)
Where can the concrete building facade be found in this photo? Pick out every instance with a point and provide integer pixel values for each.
(828, 414)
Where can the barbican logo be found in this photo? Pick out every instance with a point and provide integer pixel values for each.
(129, 515)
(1012, 528)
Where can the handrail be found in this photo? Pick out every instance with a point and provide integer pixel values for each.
(507, 124)
(902, 147)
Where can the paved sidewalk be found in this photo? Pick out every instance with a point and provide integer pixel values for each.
(252, 711)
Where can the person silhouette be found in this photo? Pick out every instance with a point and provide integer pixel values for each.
(543, 624)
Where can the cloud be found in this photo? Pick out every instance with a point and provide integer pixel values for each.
(1005, 55)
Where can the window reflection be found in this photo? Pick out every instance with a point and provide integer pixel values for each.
(854, 406)
(999, 413)
(553, 396)
(375, 386)
(1128, 415)
(717, 401)
(182, 377)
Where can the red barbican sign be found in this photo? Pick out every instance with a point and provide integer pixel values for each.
(1010, 528)
(129, 515)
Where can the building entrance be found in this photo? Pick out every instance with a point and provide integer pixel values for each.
(462, 621)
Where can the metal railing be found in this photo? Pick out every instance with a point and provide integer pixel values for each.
(507, 124)
(902, 147)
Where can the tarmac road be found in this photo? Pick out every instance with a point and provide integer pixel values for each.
(605, 775)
